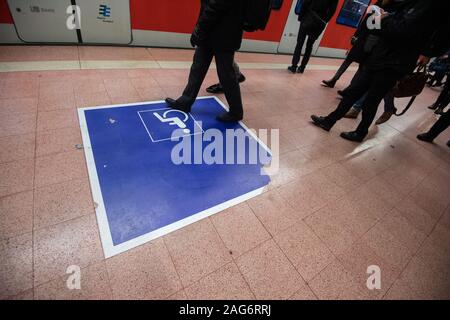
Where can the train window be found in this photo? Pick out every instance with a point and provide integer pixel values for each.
(352, 12)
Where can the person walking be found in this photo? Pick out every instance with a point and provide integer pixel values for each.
(313, 16)
(361, 46)
(404, 39)
(217, 34)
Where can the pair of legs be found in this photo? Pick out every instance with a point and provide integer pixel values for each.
(302, 35)
(443, 100)
(440, 126)
(218, 88)
(377, 84)
(344, 66)
(227, 76)
(389, 108)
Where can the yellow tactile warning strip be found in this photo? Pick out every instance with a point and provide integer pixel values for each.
(132, 64)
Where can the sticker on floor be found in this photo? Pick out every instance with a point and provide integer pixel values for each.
(154, 170)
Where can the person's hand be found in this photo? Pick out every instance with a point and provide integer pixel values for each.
(423, 60)
(195, 38)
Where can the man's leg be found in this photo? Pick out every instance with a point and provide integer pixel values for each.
(298, 48)
(308, 51)
(389, 108)
(358, 87)
(442, 124)
(199, 69)
(441, 97)
(217, 88)
(344, 66)
(382, 82)
(229, 80)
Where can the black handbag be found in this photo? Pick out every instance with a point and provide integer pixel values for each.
(412, 85)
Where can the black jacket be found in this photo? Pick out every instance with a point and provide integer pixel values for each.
(406, 34)
(315, 14)
(220, 25)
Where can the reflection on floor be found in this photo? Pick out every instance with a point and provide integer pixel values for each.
(334, 209)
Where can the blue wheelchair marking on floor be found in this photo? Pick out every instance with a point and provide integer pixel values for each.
(142, 189)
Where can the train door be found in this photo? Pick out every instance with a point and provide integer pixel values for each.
(46, 21)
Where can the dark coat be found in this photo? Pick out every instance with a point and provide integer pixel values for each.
(406, 34)
(315, 14)
(220, 25)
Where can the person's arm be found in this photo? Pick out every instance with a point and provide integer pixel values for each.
(407, 28)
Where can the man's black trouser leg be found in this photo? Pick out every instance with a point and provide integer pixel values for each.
(298, 48)
(377, 84)
(308, 51)
(441, 125)
(389, 105)
(381, 83)
(201, 62)
(445, 92)
(344, 66)
(358, 87)
(229, 80)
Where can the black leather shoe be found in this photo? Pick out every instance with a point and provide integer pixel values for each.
(321, 122)
(174, 104)
(292, 69)
(301, 69)
(329, 83)
(353, 136)
(215, 88)
(426, 137)
(439, 111)
(229, 117)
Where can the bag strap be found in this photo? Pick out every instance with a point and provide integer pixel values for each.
(410, 103)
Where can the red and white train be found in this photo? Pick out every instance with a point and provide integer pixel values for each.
(157, 23)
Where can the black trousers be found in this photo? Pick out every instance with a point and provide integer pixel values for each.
(227, 76)
(377, 83)
(441, 125)
(444, 98)
(344, 66)
(298, 48)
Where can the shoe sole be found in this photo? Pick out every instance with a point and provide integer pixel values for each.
(352, 140)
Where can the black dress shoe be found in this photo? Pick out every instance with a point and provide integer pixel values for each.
(426, 137)
(174, 104)
(439, 111)
(292, 69)
(329, 83)
(353, 136)
(301, 69)
(215, 88)
(229, 117)
(321, 123)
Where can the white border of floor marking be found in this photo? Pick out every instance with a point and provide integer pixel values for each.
(109, 248)
(177, 137)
